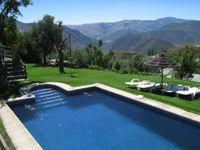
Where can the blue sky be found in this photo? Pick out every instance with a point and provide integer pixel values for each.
(91, 11)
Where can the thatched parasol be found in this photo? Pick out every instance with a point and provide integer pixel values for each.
(161, 62)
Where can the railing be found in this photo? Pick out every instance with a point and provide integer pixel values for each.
(1, 56)
(2, 69)
(1, 52)
(23, 65)
(11, 53)
(8, 53)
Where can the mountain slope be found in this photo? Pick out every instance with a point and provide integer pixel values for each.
(78, 39)
(111, 31)
(139, 42)
(95, 30)
(179, 34)
(24, 26)
(167, 36)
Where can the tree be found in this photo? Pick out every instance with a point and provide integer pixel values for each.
(107, 59)
(90, 54)
(94, 55)
(188, 60)
(60, 45)
(100, 43)
(47, 36)
(9, 10)
(137, 62)
(79, 58)
(60, 48)
(33, 51)
(151, 52)
(117, 66)
(9, 32)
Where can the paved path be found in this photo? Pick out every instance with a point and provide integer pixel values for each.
(196, 78)
(167, 71)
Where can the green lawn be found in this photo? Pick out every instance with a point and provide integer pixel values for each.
(86, 76)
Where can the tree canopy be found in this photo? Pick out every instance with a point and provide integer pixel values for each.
(188, 57)
(46, 36)
(9, 10)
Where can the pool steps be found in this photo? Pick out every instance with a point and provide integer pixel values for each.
(48, 100)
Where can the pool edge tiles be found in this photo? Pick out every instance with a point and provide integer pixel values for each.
(13, 123)
(20, 136)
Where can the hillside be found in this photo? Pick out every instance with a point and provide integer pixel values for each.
(164, 37)
(139, 42)
(141, 35)
(24, 26)
(179, 34)
(113, 30)
(78, 39)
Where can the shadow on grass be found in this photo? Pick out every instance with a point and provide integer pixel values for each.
(48, 65)
(72, 76)
(44, 66)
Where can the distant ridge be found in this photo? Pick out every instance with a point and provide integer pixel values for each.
(180, 33)
(134, 35)
(112, 30)
(141, 35)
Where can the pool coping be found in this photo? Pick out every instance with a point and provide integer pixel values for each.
(22, 138)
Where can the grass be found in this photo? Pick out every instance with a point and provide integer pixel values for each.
(86, 76)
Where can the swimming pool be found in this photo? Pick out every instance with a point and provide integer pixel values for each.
(96, 120)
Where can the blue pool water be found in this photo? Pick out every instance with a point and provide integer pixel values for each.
(95, 120)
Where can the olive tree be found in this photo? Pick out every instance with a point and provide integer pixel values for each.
(47, 36)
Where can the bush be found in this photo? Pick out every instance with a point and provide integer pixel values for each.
(117, 66)
(95, 67)
(123, 71)
(133, 71)
(187, 56)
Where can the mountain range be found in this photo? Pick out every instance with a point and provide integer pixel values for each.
(134, 35)
(111, 31)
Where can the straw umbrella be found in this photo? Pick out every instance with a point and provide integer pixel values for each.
(161, 62)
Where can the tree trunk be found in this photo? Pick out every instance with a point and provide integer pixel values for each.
(61, 62)
(44, 59)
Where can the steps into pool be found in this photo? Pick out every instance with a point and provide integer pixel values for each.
(48, 98)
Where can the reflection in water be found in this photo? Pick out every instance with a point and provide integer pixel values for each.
(29, 107)
(86, 93)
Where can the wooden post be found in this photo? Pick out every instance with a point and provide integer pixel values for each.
(2, 69)
(161, 78)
